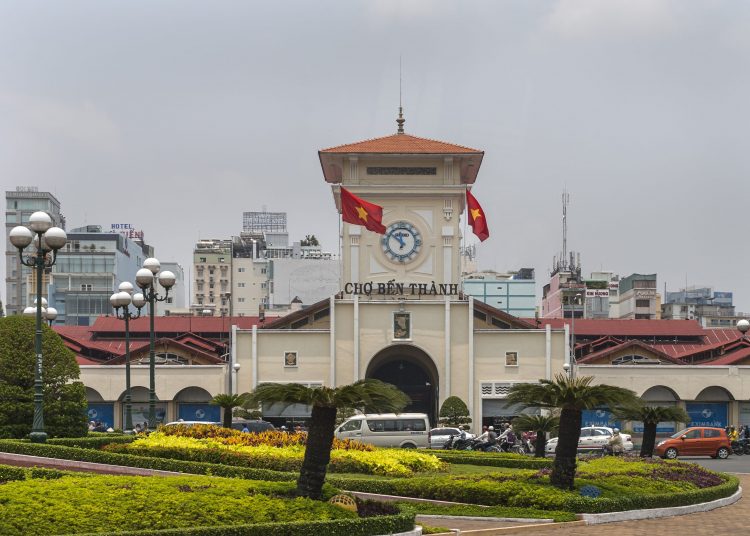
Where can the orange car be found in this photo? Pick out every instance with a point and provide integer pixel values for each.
(695, 441)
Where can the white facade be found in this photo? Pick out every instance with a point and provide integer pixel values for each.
(311, 280)
(175, 302)
(250, 285)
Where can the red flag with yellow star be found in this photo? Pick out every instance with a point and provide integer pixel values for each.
(359, 212)
(477, 219)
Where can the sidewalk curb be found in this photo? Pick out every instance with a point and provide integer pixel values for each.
(653, 513)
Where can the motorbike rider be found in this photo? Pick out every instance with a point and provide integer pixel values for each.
(508, 438)
(487, 439)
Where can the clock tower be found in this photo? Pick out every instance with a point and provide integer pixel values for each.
(421, 185)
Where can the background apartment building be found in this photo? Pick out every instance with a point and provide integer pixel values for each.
(19, 205)
(711, 309)
(89, 268)
(212, 277)
(639, 298)
(175, 302)
(512, 292)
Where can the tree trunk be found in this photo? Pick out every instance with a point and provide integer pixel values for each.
(317, 452)
(540, 444)
(649, 439)
(564, 466)
(226, 421)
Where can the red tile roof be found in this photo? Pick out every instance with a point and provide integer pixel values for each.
(589, 358)
(401, 144)
(731, 359)
(628, 328)
(175, 324)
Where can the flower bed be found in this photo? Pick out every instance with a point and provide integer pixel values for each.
(271, 438)
(623, 484)
(78, 504)
(217, 449)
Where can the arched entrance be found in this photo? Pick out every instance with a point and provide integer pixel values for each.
(411, 370)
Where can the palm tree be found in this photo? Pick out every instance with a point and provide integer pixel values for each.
(651, 416)
(366, 395)
(541, 424)
(228, 403)
(571, 396)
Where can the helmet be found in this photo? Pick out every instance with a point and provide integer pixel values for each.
(491, 428)
(616, 430)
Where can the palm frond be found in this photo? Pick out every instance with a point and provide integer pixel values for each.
(536, 423)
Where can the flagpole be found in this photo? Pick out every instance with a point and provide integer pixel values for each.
(341, 253)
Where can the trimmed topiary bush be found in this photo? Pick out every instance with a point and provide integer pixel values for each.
(454, 412)
(64, 398)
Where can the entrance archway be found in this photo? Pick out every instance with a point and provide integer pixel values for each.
(411, 370)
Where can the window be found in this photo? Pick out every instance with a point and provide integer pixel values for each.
(263, 270)
(693, 434)
(169, 300)
(397, 425)
(263, 285)
(241, 285)
(711, 433)
(642, 303)
(221, 259)
(86, 287)
(351, 426)
(511, 359)
(202, 259)
(241, 300)
(240, 270)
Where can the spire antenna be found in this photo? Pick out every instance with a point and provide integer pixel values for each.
(400, 121)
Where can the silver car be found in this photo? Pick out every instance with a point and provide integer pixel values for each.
(439, 436)
(593, 438)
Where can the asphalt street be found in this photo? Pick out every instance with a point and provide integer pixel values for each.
(733, 464)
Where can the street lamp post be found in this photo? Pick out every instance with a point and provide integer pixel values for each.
(146, 278)
(48, 313)
(123, 299)
(234, 369)
(48, 239)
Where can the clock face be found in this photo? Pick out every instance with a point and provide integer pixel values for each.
(401, 242)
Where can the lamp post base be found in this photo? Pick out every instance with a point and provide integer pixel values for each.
(38, 437)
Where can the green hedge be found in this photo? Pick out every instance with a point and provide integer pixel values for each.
(593, 506)
(518, 493)
(95, 442)
(513, 461)
(9, 473)
(143, 462)
(367, 526)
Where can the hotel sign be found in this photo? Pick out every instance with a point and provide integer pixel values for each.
(391, 288)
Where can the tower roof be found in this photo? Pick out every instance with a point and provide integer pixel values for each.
(401, 144)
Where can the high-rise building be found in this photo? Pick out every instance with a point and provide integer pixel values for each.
(711, 309)
(89, 268)
(638, 297)
(19, 205)
(212, 277)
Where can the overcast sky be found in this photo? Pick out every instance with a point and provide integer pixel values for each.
(177, 116)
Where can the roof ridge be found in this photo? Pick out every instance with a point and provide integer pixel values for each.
(396, 136)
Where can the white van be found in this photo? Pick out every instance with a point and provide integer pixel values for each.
(403, 430)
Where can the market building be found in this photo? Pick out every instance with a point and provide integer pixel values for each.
(400, 315)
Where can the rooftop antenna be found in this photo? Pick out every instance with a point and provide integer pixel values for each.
(565, 202)
(400, 121)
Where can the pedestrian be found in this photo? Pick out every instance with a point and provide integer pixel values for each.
(245, 429)
(614, 445)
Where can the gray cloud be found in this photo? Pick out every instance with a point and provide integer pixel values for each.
(178, 116)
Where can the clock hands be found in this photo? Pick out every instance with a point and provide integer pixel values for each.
(400, 239)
